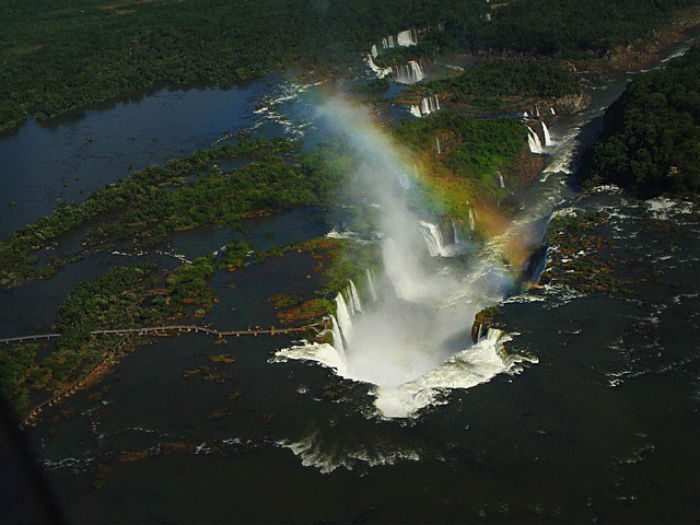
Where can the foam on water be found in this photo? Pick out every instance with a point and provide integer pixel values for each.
(315, 453)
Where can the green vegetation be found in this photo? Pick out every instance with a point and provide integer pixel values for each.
(651, 138)
(567, 28)
(65, 54)
(472, 154)
(156, 202)
(122, 297)
(16, 362)
(374, 87)
(234, 255)
(488, 83)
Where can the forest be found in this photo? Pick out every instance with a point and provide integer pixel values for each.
(59, 56)
(472, 154)
(489, 82)
(650, 142)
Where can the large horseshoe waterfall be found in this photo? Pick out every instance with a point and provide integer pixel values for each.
(407, 329)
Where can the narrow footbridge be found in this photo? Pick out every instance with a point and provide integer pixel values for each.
(172, 330)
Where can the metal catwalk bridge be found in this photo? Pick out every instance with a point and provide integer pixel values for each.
(170, 330)
(110, 356)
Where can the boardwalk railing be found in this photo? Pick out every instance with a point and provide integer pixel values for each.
(169, 330)
(173, 330)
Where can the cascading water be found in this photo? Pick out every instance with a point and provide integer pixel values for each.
(406, 38)
(428, 105)
(533, 141)
(344, 319)
(355, 298)
(437, 146)
(370, 284)
(381, 72)
(374, 51)
(337, 338)
(500, 180)
(415, 339)
(545, 134)
(409, 73)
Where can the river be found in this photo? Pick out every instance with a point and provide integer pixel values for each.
(601, 427)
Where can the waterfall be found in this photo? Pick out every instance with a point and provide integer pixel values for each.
(551, 110)
(478, 334)
(433, 239)
(534, 141)
(355, 298)
(487, 17)
(406, 38)
(425, 106)
(526, 114)
(437, 146)
(409, 73)
(370, 284)
(537, 111)
(415, 111)
(343, 316)
(385, 44)
(381, 72)
(374, 51)
(416, 71)
(500, 180)
(338, 338)
(472, 223)
(428, 105)
(545, 133)
(457, 236)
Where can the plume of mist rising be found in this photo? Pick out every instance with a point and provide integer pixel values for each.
(415, 325)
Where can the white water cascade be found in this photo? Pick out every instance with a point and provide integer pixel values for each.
(437, 146)
(500, 180)
(472, 222)
(547, 138)
(374, 51)
(344, 319)
(370, 284)
(381, 72)
(428, 105)
(414, 341)
(435, 242)
(533, 141)
(354, 298)
(406, 38)
(337, 338)
(409, 73)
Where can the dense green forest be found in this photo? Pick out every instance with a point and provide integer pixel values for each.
(651, 137)
(61, 55)
(472, 154)
(488, 83)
